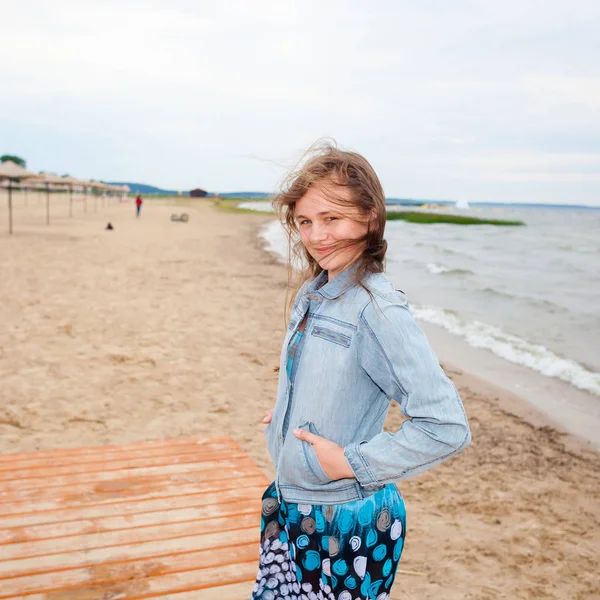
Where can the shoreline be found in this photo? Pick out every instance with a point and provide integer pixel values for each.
(159, 329)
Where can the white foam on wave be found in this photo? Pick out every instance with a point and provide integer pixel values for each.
(512, 348)
(436, 269)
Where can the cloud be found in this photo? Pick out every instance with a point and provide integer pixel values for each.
(441, 97)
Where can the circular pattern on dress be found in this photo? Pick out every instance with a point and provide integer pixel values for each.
(387, 567)
(304, 509)
(396, 530)
(365, 514)
(355, 543)
(398, 549)
(384, 520)
(319, 521)
(360, 565)
(272, 529)
(345, 521)
(334, 546)
(302, 542)
(345, 595)
(308, 525)
(269, 506)
(340, 567)
(311, 560)
(371, 538)
(379, 552)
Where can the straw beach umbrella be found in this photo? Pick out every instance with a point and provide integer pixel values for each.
(71, 181)
(11, 170)
(47, 179)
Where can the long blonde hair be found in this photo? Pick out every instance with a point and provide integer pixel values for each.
(325, 163)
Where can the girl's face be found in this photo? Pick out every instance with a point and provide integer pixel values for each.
(326, 227)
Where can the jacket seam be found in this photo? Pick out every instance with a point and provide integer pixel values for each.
(383, 352)
(333, 320)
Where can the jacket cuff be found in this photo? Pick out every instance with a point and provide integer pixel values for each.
(359, 465)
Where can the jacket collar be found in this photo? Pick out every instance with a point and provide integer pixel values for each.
(335, 288)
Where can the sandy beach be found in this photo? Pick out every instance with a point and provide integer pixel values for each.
(159, 329)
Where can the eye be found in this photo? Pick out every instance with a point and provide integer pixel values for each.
(332, 218)
(304, 222)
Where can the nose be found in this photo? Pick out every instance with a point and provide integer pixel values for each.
(318, 234)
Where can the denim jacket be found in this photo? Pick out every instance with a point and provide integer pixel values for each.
(359, 351)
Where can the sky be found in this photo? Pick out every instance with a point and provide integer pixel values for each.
(463, 100)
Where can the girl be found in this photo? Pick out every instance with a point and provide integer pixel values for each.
(333, 523)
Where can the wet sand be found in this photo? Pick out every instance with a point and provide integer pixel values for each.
(159, 329)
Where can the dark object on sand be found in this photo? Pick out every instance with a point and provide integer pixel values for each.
(183, 217)
(109, 226)
(198, 193)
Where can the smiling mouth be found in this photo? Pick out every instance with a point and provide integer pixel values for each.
(324, 249)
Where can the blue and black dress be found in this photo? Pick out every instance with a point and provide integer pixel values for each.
(345, 551)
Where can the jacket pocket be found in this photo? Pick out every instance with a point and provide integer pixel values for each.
(311, 456)
(332, 336)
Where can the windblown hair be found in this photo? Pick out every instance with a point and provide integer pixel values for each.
(324, 164)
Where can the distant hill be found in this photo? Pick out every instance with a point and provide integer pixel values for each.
(242, 194)
(142, 188)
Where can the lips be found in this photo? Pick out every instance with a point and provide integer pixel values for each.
(324, 249)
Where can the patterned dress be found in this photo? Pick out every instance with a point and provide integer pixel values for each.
(330, 552)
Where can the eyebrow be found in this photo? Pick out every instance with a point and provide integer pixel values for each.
(319, 214)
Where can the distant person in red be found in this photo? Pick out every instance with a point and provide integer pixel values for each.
(138, 205)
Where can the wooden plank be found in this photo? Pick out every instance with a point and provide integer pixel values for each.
(112, 463)
(172, 519)
(126, 552)
(251, 487)
(234, 591)
(86, 494)
(216, 464)
(117, 488)
(160, 586)
(67, 453)
(91, 540)
(134, 518)
(103, 573)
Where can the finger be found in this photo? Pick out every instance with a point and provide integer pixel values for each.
(267, 418)
(306, 436)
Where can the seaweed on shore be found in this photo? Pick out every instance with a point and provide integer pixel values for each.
(429, 218)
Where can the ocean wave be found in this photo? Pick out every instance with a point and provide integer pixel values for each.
(513, 348)
(442, 270)
(546, 305)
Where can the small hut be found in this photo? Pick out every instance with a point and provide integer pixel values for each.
(198, 193)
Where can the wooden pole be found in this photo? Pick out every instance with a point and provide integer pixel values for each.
(10, 207)
(70, 201)
(47, 204)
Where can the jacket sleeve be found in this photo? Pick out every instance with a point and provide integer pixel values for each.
(396, 355)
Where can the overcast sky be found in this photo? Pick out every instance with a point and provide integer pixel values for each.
(475, 100)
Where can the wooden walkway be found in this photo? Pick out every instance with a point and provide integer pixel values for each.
(175, 519)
